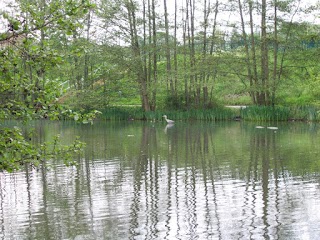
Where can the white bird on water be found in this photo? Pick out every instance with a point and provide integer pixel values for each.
(168, 120)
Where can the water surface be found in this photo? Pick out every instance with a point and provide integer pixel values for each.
(192, 180)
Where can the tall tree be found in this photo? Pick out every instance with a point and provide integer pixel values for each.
(138, 67)
(155, 56)
(264, 98)
(275, 53)
(167, 48)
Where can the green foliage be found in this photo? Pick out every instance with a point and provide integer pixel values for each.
(16, 149)
(87, 100)
(80, 116)
(175, 102)
(28, 89)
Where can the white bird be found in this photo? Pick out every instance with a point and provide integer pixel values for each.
(168, 120)
(273, 128)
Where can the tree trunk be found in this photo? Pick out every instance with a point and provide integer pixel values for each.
(86, 56)
(138, 64)
(167, 48)
(191, 42)
(248, 60)
(275, 54)
(185, 47)
(155, 69)
(175, 49)
(264, 95)
(255, 92)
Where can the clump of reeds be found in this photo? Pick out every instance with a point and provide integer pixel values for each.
(304, 113)
(279, 113)
(122, 113)
(136, 113)
(265, 113)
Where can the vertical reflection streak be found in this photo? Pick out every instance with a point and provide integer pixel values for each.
(247, 202)
(29, 201)
(169, 201)
(88, 182)
(277, 191)
(211, 161)
(254, 157)
(2, 199)
(135, 205)
(265, 183)
(177, 208)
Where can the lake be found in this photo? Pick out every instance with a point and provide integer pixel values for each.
(191, 180)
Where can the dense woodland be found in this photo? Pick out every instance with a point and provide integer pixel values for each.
(61, 59)
(178, 54)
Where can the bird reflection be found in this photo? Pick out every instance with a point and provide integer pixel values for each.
(168, 126)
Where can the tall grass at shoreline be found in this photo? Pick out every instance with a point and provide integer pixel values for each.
(251, 113)
(278, 113)
(265, 113)
(136, 113)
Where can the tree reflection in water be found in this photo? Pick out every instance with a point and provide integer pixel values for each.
(191, 181)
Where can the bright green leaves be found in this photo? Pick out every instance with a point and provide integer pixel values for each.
(13, 23)
(17, 148)
(33, 67)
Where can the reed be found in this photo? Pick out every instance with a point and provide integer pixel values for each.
(251, 113)
(305, 113)
(136, 113)
(122, 113)
(265, 113)
(279, 113)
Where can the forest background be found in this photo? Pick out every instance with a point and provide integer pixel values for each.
(195, 54)
(137, 59)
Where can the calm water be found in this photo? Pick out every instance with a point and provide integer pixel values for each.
(189, 181)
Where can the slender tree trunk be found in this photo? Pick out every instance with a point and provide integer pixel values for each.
(264, 96)
(167, 48)
(144, 53)
(149, 76)
(248, 60)
(41, 71)
(154, 47)
(175, 57)
(191, 35)
(77, 74)
(185, 20)
(206, 13)
(275, 54)
(212, 43)
(255, 93)
(86, 55)
(141, 77)
(213, 34)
